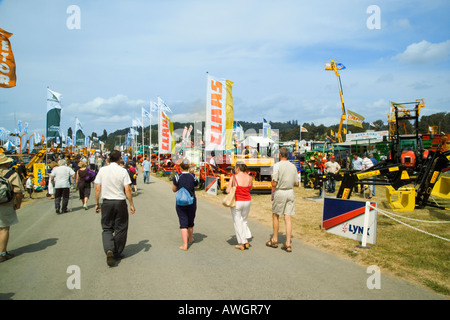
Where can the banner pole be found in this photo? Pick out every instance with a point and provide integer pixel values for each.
(365, 227)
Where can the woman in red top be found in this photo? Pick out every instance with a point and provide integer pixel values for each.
(243, 183)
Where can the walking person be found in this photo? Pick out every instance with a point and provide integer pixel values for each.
(83, 186)
(146, 167)
(243, 182)
(284, 178)
(92, 162)
(30, 185)
(112, 185)
(186, 214)
(51, 185)
(61, 176)
(22, 172)
(132, 171)
(8, 215)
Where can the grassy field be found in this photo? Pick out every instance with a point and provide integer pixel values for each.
(400, 250)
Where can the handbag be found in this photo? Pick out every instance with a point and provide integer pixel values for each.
(230, 199)
(184, 198)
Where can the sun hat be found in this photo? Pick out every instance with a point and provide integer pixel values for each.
(4, 159)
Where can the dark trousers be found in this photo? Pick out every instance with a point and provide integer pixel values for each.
(63, 193)
(115, 225)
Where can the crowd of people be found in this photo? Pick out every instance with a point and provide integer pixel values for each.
(115, 181)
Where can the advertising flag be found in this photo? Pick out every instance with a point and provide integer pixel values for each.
(146, 114)
(7, 62)
(219, 114)
(79, 135)
(354, 119)
(166, 142)
(53, 113)
(163, 106)
(303, 129)
(266, 129)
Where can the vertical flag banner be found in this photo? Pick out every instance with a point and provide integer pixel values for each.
(266, 129)
(53, 113)
(354, 119)
(166, 142)
(7, 62)
(79, 135)
(219, 114)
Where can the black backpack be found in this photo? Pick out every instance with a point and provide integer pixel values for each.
(6, 190)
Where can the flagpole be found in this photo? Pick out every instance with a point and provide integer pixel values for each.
(142, 123)
(150, 129)
(159, 121)
(300, 138)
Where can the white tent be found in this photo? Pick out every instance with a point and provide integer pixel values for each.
(253, 141)
(8, 145)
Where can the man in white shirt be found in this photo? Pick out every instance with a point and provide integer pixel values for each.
(60, 177)
(92, 162)
(113, 186)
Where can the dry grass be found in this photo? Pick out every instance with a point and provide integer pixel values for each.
(399, 251)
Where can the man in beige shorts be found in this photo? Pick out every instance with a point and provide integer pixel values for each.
(284, 178)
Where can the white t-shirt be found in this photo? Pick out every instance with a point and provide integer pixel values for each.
(113, 179)
(61, 175)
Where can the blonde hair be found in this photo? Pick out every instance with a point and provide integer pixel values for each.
(82, 164)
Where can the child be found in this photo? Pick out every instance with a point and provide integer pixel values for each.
(30, 185)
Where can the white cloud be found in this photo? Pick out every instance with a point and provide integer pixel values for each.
(425, 52)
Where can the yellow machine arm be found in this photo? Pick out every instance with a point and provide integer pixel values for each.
(333, 66)
(38, 157)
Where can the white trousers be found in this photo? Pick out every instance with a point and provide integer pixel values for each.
(240, 219)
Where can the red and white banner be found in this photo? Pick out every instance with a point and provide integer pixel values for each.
(219, 114)
(166, 142)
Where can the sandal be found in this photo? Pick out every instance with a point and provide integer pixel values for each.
(286, 248)
(271, 243)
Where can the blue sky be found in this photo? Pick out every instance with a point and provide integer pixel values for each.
(127, 53)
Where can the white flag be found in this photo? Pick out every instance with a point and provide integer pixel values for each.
(145, 113)
(163, 106)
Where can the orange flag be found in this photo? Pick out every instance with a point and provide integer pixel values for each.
(7, 63)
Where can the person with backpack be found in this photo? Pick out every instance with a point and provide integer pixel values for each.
(83, 184)
(11, 194)
(184, 185)
(132, 171)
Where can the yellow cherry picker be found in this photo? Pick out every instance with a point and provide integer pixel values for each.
(333, 66)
